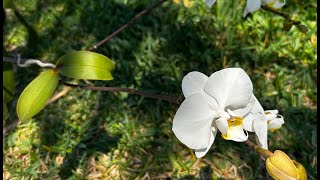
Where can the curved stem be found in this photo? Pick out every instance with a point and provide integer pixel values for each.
(266, 8)
(263, 152)
(126, 25)
(128, 90)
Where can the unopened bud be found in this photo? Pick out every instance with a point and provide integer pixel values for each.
(281, 167)
(301, 170)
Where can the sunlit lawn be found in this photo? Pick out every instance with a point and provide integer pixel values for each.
(104, 135)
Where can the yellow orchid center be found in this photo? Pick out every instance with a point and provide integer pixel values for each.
(233, 123)
(272, 5)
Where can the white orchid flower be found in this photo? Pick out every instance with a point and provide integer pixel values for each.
(260, 121)
(253, 5)
(274, 120)
(216, 102)
(255, 121)
(209, 3)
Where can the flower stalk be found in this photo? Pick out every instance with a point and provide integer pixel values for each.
(263, 152)
(289, 22)
(172, 99)
(279, 165)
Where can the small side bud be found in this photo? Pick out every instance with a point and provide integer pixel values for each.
(302, 28)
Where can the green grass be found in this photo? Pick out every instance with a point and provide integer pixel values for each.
(104, 135)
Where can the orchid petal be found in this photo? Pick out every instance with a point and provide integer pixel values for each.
(270, 116)
(245, 12)
(202, 152)
(267, 1)
(192, 122)
(278, 5)
(222, 125)
(261, 130)
(248, 122)
(257, 108)
(245, 110)
(232, 113)
(271, 111)
(235, 131)
(253, 5)
(230, 87)
(253, 114)
(210, 2)
(193, 83)
(275, 124)
(223, 114)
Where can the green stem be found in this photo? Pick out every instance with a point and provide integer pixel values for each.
(263, 152)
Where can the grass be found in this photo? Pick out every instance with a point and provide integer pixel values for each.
(103, 135)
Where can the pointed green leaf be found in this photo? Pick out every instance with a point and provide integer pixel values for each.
(8, 82)
(36, 94)
(85, 65)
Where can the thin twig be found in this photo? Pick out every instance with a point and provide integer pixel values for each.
(123, 27)
(263, 152)
(58, 95)
(280, 14)
(128, 90)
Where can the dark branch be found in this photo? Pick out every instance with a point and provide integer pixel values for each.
(285, 16)
(125, 26)
(128, 90)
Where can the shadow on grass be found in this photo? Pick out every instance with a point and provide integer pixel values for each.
(149, 57)
(98, 141)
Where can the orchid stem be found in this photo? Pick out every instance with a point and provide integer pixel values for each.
(263, 152)
(285, 16)
(128, 90)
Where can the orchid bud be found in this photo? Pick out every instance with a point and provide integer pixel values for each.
(281, 167)
(301, 170)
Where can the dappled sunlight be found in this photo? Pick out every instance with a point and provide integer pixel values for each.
(121, 135)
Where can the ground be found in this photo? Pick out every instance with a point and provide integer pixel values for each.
(104, 135)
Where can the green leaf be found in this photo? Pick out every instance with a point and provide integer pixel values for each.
(36, 94)
(8, 82)
(8, 4)
(85, 65)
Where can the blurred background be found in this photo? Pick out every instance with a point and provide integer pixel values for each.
(105, 135)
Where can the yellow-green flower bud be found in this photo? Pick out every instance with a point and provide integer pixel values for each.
(301, 171)
(281, 167)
